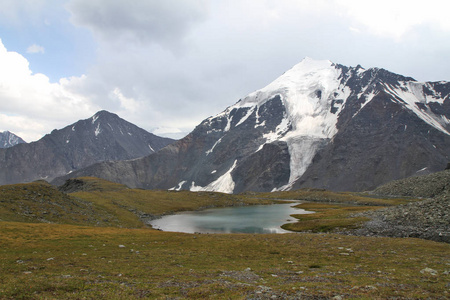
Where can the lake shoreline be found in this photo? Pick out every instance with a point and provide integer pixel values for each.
(264, 218)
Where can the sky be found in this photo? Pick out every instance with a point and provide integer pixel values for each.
(167, 65)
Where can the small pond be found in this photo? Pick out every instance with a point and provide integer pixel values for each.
(240, 219)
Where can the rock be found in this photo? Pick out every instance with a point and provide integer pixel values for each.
(426, 219)
(429, 271)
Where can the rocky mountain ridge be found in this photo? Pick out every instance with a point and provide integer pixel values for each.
(104, 136)
(319, 125)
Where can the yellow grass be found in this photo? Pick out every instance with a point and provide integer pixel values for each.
(50, 261)
(61, 261)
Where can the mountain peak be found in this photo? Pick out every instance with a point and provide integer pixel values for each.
(103, 137)
(306, 90)
(9, 139)
(313, 63)
(102, 114)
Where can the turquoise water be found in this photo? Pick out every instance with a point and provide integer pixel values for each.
(242, 219)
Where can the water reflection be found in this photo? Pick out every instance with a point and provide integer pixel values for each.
(245, 219)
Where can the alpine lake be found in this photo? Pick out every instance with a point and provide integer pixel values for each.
(237, 219)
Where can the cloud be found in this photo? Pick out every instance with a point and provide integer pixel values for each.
(32, 106)
(151, 21)
(397, 18)
(15, 12)
(166, 65)
(35, 49)
(128, 104)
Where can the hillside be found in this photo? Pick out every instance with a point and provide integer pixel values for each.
(429, 218)
(96, 202)
(436, 185)
(39, 202)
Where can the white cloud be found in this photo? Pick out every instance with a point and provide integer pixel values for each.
(128, 104)
(32, 106)
(395, 18)
(35, 49)
(151, 21)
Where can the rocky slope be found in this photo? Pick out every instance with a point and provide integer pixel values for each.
(428, 219)
(102, 137)
(319, 125)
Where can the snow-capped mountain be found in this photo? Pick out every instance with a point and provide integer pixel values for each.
(319, 124)
(9, 139)
(102, 137)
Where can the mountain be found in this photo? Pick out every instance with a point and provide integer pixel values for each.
(9, 139)
(320, 125)
(102, 137)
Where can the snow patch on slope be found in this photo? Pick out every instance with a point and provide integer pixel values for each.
(223, 184)
(214, 146)
(97, 130)
(411, 93)
(178, 187)
(247, 115)
(369, 98)
(279, 132)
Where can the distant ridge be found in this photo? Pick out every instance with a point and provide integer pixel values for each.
(104, 136)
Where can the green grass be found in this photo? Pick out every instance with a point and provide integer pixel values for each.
(339, 197)
(328, 217)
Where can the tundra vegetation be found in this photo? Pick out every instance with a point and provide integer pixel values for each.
(89, 240)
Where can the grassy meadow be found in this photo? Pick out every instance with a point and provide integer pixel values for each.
(97, 247)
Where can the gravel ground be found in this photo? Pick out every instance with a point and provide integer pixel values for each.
(427, 219)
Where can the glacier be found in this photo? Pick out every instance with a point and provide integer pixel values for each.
(306, 91)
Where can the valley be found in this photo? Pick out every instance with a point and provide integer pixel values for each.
(48, 261)
(364, 149)
(108, 251)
